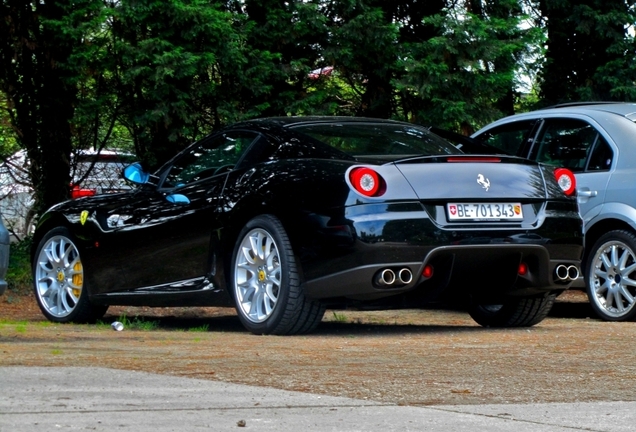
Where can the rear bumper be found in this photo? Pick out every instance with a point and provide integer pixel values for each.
(345, 259)
(474, 270)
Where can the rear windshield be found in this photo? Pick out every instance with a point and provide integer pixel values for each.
(381, 141)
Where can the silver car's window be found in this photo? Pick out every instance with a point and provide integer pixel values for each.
(213, 155)
(602, 156)
(570, 143)
(509, 138)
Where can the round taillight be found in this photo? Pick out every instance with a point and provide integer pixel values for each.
(366, 181)
(566, 180)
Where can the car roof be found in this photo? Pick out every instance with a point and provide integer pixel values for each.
(620, 111)
(291, 121)
(623, 109)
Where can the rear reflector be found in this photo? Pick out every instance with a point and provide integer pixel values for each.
(523, 269)
(566, 180)
(428, 271)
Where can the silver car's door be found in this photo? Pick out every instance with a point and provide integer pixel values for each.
(577, 145)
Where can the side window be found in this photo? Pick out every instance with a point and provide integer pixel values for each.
(212, 155)
(602, 156)
(509, 138)
(569, 143)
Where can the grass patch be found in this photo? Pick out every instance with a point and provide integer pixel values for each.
(137, 323)
(134, 323)
(201, 329)
(339, 317)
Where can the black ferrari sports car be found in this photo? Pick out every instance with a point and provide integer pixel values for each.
(283, 217)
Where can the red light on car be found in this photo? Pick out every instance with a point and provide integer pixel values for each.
(77, 192)
(566, 180)
(367, 182)
(474, 159)
(523, 269)
(428, 271)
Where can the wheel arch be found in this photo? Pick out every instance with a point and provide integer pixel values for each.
(47, 222)
(593, 233)
(241, 214)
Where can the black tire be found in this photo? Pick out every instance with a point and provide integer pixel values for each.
(266, 287)
(58, 280)
(610, 276)
(513, 311)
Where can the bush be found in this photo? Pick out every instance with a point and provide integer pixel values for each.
(19, 277)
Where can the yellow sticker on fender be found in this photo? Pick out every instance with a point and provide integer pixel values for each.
(83, 216)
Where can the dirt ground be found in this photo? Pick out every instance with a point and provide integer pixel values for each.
(409, 357)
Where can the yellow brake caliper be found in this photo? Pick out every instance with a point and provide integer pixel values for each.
(78, 279)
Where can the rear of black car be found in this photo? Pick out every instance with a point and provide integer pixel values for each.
(487, 228)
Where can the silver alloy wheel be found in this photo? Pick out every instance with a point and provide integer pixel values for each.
(257, 274)
(613, 288)
(59, 276)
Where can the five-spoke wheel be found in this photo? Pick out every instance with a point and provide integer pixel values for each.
(611, 276)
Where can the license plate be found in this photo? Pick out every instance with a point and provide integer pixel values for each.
(484, 211)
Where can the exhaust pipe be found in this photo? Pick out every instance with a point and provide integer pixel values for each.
(566, 273)
(562, 272)
(573, 272)
(405, 275)
(386, 277)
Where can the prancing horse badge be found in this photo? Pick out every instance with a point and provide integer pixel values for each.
(83, 216)
(483, 181)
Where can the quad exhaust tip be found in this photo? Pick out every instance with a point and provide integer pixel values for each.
(389, 278)
(566, 272)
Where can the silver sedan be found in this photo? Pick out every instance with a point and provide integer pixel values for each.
(597, 141)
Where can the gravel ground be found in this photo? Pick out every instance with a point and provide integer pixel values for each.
(409, 357)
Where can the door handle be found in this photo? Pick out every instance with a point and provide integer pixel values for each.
(588, 193)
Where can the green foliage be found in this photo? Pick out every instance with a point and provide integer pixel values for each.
(8, 141)
(590, 54)
(462, 77)
(151, 76)
(19, 275)
(174, 60)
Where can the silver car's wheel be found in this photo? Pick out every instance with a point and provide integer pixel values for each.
(266, 281)
(257, 275)
(611, 276)
(58, 276)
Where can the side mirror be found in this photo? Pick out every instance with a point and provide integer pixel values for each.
(178, 199)
(135, 174)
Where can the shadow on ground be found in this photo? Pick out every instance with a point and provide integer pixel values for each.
(230, 323)
(572, 310)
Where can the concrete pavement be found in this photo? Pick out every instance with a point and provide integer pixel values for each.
(98, 399)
